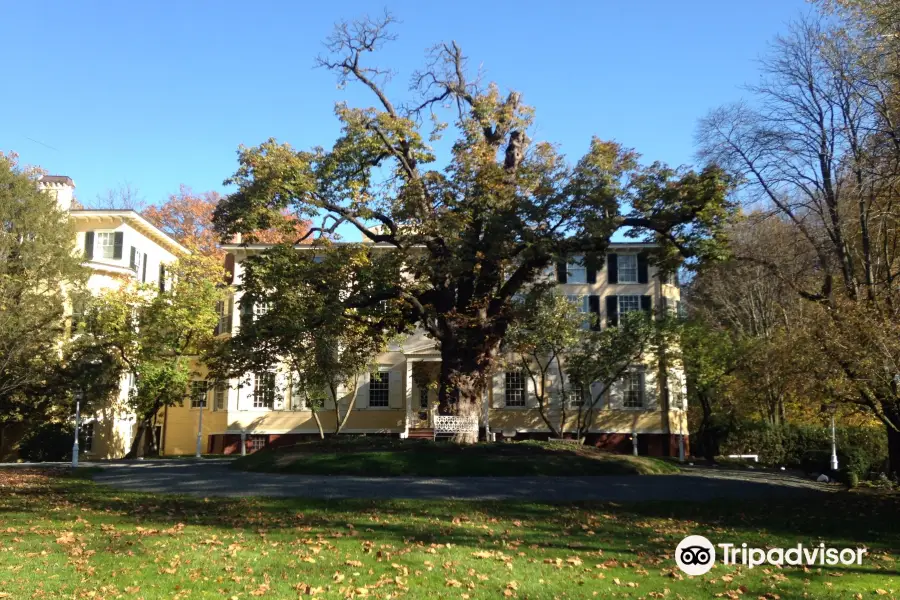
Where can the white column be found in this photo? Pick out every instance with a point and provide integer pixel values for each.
(409, 396)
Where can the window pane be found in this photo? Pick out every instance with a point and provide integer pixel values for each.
(632, 390)
(104, 243)
(628, 304)
(379, 389)
(264, 394)
(515, 388)
(577, 273)
(221, 395)
(628, 268)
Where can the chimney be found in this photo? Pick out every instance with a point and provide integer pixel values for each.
(60, 187)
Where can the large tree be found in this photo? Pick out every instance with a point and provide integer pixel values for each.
(156, 335)
(474, 231)
(39, 270)
(821, 154)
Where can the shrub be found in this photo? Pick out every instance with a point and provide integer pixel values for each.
(47, 442)
(861, 450)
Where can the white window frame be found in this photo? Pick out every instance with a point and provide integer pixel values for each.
(519, 389)
(260, 403)
(100, 247)
(423, 395)
(384, 385)
(137, 260)
(253, 442)
(627, 273)
(576, 270)
(628, 382)
(298, 397)
(220, 396)
(632, 303)
(198, 402)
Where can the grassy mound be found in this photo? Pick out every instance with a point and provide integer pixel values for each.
(391, 457)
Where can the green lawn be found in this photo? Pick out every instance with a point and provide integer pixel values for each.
(65, 537)
(390, 457)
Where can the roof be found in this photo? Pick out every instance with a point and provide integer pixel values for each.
(138, 222)
(65, 179)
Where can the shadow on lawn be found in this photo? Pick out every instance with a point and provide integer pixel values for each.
(840, 519)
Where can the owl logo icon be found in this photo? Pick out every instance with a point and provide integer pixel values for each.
(695, 555)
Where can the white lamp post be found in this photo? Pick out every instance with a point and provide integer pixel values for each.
(78, 396)
(200, 428)
(834, 459)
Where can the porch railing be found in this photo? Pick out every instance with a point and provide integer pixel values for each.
(452, 424)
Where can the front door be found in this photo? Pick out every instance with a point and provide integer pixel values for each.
(422, 408)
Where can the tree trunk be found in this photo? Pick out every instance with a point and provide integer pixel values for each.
(461, 387)
(143, 428)
(705, 433)
(893, 449)
(319, 423)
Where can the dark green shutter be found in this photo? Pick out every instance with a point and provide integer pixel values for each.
(594, 308)
(612, 261)
(162, 278)
(590, 264)
(118, 237)
(133, 261)
(144, 270)
(612, 311)
(646, 303)
(643, 275)
(562, 273)
(89, 245)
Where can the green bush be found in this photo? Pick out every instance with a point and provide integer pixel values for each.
(861, 450)
(47, 442)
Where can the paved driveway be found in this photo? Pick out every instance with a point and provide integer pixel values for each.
(212, 477)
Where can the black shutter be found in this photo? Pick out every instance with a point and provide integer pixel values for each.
(562, 273)
(89, 245)
(133, 262)
(144, 270)
(590, 265)
(230, 315)
(664, 305)
(643, 276)
(594, 307)
(612, 261)
(612, 311)
(162, 278)
(118, 237)
(646, 303)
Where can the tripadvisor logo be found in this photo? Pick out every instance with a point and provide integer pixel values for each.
(695, 555)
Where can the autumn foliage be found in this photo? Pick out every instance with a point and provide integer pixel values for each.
(187, 217)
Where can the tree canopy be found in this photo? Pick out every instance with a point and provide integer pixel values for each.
(477, 229)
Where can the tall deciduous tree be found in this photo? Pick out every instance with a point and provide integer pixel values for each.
(157, 335)
(822, 155)
(473, 232)
(295, 315)
(38, 268)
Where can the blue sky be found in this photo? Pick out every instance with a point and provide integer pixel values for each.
(161, 93)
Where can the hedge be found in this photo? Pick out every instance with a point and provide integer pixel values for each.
(860, 450)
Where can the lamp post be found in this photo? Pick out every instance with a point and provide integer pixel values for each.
(834, 459)
(200, 428)
(78, 396)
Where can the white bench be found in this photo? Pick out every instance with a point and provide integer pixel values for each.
(755, 457)
(448, 425)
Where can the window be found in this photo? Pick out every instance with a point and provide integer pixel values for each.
(257, 442)
(629, 304)
(423, 397)
(627, 268)
(379, 389)
(198, 394)
(224, 309)
(220, 396)
(86, 437)
(264, 392)
(633, 390)
(576, 269)
(298, 395)
(515, 389)
(135, 260)
(104, 244)
(576, 396)
(582, 305)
